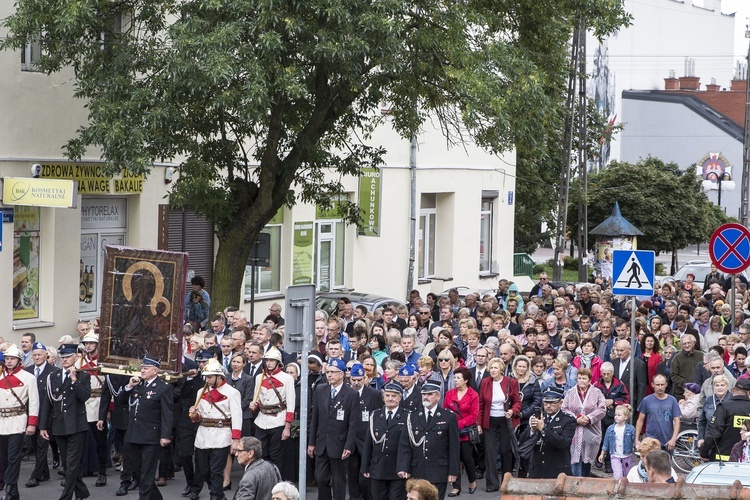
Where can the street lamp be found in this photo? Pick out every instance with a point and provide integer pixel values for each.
(720, 182)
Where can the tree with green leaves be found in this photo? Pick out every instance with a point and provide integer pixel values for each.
(260, 101)
(667, 204)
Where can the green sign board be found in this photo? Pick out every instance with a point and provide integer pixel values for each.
(334, 212)
(302, 266)
(369, 201)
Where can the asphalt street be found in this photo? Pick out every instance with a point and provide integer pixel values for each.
(51, 489)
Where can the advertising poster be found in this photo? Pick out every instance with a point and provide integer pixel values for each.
(142, 306)
(369, 201)
(302, 266)
(26, 262)
(87, 274)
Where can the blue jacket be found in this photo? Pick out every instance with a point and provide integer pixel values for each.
(628, 440)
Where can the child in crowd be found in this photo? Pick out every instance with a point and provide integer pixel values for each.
(619, 441)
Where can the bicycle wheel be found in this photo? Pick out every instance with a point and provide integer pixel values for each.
(686, 455)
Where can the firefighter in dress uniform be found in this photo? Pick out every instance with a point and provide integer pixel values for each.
(218, 413)
(18, 395)
(273, 404)
(429, 449)
(381, 446)
(63, 414)
(89, 361)
(553, 433)
(149, 423)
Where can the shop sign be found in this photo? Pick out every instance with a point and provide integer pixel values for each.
(369, 201)
(92, 179)
(39, 192)
(104, 213)
(302, 265)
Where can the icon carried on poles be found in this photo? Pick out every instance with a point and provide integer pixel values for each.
(634, 271)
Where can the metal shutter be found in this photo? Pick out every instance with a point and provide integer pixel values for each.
(191, 233)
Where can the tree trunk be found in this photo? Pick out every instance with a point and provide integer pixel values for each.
(229, 269)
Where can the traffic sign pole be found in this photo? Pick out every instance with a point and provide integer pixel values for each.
(729, 249)
(632, 355)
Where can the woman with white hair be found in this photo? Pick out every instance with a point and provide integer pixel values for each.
(284, 491)
(492, 344)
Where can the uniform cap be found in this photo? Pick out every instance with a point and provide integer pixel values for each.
(553, 394)
(357, 370)
(394, 387)
(743, 384)
(149, 360)
(203, 355)
(429, 387)
(38, 346)
(338, 364)
(406, 371)
(66, 350)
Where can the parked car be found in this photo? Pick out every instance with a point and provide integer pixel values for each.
(722, 473)
(329, 301)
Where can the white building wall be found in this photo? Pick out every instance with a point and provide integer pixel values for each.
(663, 33)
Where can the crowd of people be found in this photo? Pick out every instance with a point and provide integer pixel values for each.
(403, 400)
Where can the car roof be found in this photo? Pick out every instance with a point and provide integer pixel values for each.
(369, 300)
(721, 473)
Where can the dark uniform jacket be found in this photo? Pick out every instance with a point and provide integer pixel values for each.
(63, 411)
(551, 455)
(150, 417)
(41, 381)
(370, 401)
(381, 444)
(334, 424)
(414, 401)
(723, 431)
(113, 384)
(188, 394)
(430, 450)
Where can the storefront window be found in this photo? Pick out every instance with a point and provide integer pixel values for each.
(267, 272)
(26, 259)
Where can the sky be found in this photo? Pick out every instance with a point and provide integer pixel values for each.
(742, 10)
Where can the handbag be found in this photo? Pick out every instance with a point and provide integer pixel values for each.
(526, 442)
(472, 431)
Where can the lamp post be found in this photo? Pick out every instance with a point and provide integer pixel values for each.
(719, 182)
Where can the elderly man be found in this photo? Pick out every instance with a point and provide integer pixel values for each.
(683, 365)
(622, 364)
(41, 370)
(260, 476)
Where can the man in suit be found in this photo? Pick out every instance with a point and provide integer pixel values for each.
(149, 422)
(333, 429)
(369, 401)
(334, 349)
(429, 449)
(479, 371)
(41, 370)
(622, 371)
(411, 398)
(63, 414)
(553, 434)
(118, 418)
(191, 384)
(382, 438)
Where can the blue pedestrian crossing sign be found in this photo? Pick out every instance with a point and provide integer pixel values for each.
(633, 272)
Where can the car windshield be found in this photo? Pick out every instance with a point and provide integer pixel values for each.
(700, 272)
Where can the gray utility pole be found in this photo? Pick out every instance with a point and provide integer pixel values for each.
(583, 210)
(567, 146)
(745, 192)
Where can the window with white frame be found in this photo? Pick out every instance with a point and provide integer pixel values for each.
(31, 53)
(426, 237)
(267, 273)
(329, 254)
(486, 216)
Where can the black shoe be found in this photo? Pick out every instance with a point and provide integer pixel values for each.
(186, 491)
(134, 485)
(55, 463)
(480, 474)
(608, 470)
(454, 493)
(598, 464)
(60, 472)
(490, 490)
(194, 496)
(44, 479)
(32, 483)
(472, 490)
(101, 480)
(62, 483)
(228, 487)
(122, 491)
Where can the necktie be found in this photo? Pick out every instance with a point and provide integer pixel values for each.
(429, 416)
(64, 376)
(479, 376)
(37, 371)
(333, 393)
(388, 418)
(252, 371)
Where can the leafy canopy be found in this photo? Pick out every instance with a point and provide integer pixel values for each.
(668, 205)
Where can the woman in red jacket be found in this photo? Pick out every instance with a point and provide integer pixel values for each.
(464, 402)
(498, 401)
